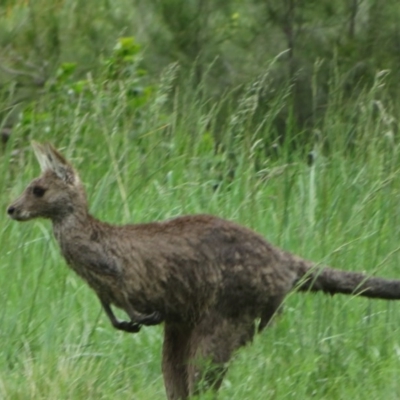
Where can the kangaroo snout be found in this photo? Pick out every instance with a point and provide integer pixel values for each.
(17, 213)
(10, 211)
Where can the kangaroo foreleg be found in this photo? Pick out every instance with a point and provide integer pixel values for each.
(136, 322)
(126, 326)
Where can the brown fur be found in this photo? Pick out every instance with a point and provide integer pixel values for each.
(209, 279)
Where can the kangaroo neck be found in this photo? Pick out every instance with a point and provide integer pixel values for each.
(78, 223)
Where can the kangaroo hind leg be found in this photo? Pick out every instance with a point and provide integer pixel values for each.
(212, 344)
(175, 360)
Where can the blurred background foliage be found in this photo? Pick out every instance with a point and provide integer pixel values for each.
(286, 61)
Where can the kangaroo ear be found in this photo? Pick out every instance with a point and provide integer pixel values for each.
(51, 160)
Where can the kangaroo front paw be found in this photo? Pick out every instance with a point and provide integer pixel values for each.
(128, 326)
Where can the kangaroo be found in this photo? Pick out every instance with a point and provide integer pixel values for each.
(212, 282)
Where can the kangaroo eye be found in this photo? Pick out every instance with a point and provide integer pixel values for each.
(38, 191)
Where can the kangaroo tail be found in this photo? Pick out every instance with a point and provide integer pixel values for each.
(314, 278)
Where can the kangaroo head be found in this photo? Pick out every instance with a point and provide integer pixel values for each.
(55, 194)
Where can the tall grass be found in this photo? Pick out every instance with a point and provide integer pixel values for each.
(162, 162)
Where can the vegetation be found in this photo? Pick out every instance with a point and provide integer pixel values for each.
(158, 128)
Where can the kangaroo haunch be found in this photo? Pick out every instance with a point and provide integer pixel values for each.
(211, 281)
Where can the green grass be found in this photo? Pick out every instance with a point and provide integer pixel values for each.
(159, 163)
